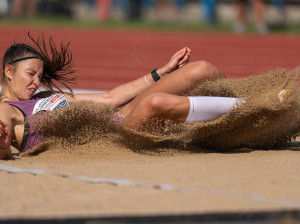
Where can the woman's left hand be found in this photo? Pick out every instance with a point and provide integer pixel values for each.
(5, 135)
(179, 59)
(5, 138)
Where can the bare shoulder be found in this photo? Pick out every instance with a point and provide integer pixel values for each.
(7, 110)
(5, 106)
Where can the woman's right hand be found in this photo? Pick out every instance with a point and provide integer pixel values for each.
(179, 59)
(5, 135)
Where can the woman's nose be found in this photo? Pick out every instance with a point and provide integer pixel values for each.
(37, 80)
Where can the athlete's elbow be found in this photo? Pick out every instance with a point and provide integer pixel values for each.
(109, 100)
(116, 102)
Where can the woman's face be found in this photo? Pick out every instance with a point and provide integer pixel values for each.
(25, 78)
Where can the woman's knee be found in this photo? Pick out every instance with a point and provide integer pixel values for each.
(157, 103)
(204, 70)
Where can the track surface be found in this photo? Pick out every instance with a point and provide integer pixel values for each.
(108, 58)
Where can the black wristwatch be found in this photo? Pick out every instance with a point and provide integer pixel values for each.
(155, 76)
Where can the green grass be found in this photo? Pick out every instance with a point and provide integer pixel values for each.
(68, 22)
(137, 25)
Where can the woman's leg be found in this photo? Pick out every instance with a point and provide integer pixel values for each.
(179, 109)
(241, 12)
(177, 82)
(259, 15)
(209, 108)
(160, 106)
(240, 23)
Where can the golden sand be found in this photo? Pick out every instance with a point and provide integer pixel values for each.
(261, 122)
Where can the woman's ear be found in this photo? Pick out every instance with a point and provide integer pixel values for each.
(9, 71)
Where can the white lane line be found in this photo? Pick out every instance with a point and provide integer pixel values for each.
(166, 187)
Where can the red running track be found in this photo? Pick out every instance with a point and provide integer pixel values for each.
(107, 58)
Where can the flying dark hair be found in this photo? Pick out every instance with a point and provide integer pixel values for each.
(58, 64)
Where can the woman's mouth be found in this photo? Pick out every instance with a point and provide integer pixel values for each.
(32, 90)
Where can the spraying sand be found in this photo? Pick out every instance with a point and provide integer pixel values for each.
(261, 122)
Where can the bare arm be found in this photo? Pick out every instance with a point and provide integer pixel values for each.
(5, 131)
(121, 94)
(126, 92)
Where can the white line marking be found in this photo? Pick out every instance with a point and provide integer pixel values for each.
(166, 187)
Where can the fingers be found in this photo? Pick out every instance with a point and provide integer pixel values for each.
(179, 53)
(5, 140)
(4, 131)
(3, 135)
(188, 50)
(183, 51)
(184, 60)
(183, 55)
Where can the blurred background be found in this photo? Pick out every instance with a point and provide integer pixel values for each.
(239, 16)
(245, 37)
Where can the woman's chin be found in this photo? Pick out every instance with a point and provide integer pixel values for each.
(27, 97)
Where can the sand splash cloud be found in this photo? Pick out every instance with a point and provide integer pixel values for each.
(262, 122)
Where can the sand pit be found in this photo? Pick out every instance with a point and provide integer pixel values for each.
(250, 173)
(227, 182)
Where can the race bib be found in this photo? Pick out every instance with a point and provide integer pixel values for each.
(53, 102)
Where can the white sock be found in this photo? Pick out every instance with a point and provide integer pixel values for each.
(208, 108)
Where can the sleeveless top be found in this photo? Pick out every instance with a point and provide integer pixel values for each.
(32, 134)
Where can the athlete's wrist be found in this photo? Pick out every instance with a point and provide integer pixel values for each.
(162, 71)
